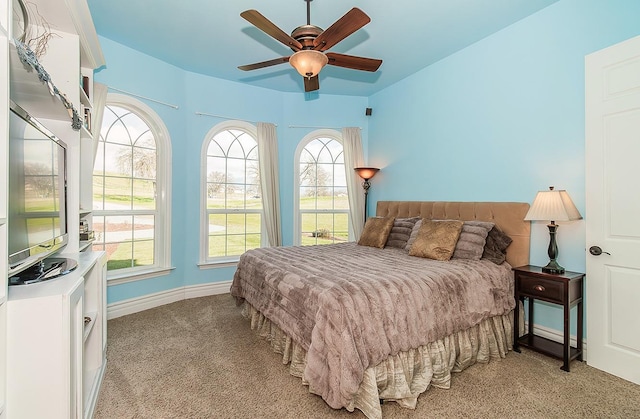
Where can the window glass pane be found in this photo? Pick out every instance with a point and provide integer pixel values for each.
(118, 228)
(236, 171)
(235, 196)
(217, 165)
(253, 241)
(144, 193)
(236, 223)
(143, 252)
(253, 224)
(98, 228)
(341, 227)
(215, 149)
(309, 224)
(98, 196)
(117, 193)
(236, 151)
(118, 161)
(120, 255)
(217, 224)
(144, 163)
(146, 140)
(340, 198)
(143, 227)
(236, 244)
(98, 167)
(217, 246)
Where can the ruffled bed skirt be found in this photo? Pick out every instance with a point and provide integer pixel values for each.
(402, 377)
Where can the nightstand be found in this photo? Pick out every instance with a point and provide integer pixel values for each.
(563, 289)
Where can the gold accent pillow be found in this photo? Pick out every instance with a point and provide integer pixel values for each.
(376, 231)
(436, 239)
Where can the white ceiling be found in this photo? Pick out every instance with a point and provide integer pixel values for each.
(210, 37)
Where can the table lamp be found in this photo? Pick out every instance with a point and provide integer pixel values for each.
(553, 205)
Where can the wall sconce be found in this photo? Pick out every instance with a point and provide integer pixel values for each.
(366, 173)
(553, 205)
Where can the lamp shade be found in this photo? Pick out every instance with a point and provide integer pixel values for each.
(366, 173)
(553, 205)
(308, 62)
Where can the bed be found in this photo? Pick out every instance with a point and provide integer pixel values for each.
(360, 324)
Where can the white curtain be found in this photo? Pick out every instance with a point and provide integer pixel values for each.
(99, 102)
(354, 157)
(268, 155)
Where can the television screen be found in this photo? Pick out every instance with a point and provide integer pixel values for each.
(37, 191)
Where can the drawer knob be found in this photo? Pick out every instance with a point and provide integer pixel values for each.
(539, 288)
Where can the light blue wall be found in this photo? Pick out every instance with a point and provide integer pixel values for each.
(131, 71)
(498, 120)
(501, 120)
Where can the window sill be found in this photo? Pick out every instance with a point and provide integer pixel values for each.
(220, 264)
(118, 279)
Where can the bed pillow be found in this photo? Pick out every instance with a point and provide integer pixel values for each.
(413, 235)
(436, 239)
(376, 230)
(400, 232)
(495, 249)
(472, 240)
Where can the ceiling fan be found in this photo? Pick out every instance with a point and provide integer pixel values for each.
(309, 43)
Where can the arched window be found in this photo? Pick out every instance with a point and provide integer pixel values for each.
(231, 193)
(322, 203)
(131, 189)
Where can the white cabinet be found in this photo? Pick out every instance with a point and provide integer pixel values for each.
(57, 330)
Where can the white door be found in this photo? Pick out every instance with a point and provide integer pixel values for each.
(613, 209)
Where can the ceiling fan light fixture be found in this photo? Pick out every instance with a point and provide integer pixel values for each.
(308, 62)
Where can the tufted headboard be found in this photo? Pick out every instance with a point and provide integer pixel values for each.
(508, 216)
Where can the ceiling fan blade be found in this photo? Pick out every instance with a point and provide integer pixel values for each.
(265, 25)
(351, 61)
(353, 20)
(263, 64)
(311, 84)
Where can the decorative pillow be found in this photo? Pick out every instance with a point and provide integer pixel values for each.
(414, 234)
(376, 230)
(495, 249)
(400, 232)
(436, 239)
(472, 240)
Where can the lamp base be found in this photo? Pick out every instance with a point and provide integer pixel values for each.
(553, 268)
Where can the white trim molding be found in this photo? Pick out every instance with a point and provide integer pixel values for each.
(146, 302)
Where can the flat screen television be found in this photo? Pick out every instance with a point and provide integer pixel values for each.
(37, 210)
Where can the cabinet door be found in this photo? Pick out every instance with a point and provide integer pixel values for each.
(76, 344)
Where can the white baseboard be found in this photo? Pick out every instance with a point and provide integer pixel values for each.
(135, 305)
(557, 336)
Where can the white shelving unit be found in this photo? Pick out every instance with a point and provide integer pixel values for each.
(46, 350)
(4, 149)
(55, 356)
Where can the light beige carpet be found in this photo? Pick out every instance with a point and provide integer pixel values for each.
(198, 358)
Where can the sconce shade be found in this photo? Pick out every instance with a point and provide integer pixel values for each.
(308, 62)
(553, 205)
(366, 173)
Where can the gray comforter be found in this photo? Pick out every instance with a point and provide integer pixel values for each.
(353, 306)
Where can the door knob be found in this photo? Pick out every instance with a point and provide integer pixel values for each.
(597, 251)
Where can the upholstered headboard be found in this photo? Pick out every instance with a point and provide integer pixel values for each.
(508, 216)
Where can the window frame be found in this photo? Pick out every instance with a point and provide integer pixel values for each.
(297, 219)
(205, 261)
(162, 223)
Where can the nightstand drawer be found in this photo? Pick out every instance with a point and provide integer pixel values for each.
(547, 289)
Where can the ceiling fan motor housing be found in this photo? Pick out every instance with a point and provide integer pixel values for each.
(305, 34)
